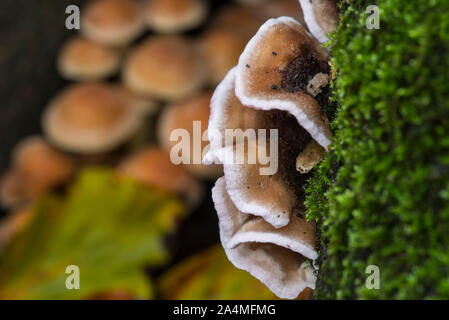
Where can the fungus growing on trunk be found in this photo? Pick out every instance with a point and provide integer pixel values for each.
(321, 17)
(276, 196)
(280, 85)
(274, 256)
(274, 72)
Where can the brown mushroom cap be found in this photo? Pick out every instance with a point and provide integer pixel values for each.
(275, 69)
(143, 104)
(89, 118)
(242, 20)
(321, 17)
(84, 60)
(221, 49)
(36, 168)
(112, 22)
(41, 165)
(153, 166)
(182, 115)
(12, 192)
(13, 223)
(170, 16)
(165, 67)
(280, 8)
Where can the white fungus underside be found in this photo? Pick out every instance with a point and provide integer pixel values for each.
(312, 24)
(286, 276)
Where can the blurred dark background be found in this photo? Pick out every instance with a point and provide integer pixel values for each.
(31, 33)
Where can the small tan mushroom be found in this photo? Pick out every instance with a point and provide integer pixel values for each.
(12, 192)
(185, 115)
(144, 104)
(154, 167)
(309, 157)
(36, 168)
(242, 20)
(321, 17)
(280, 8)
(171, 16)
(90, 118)
(274, 256)
(112, 22)
(85, 60)
(165, 67)
(221, 49)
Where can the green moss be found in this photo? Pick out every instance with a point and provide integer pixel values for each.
(382, 195)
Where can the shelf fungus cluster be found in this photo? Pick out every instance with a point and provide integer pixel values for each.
(281, 84)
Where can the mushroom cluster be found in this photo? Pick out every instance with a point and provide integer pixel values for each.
(281, 84)
(141, 69)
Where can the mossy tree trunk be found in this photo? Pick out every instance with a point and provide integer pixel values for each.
(382, 195)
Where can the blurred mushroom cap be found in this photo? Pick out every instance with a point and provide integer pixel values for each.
(144, 104)
(242, 20)
(274, 256)
(181, 115)
(12, 192)
(321, 17)
(89, 118)
(154, 167)
(221, 49)
(280, 8)
(274, 71)
(84, 60)
(112, 22)
(13, 223)
(170, 16)
(165, 67)
(36, 168)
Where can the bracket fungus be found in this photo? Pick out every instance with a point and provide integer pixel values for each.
(276, 195)
(275, 69)
(171, 16)
(165, 67)
(274, 256)
(281, 85)
(90, 118)
(84, 60)
(112, 22)
(321, 17)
